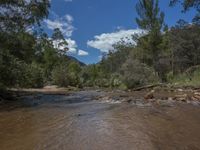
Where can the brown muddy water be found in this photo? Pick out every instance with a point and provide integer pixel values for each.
(78, 122)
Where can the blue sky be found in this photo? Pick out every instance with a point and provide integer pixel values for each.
(92, 26)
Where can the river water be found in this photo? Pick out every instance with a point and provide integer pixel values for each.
(76, 122)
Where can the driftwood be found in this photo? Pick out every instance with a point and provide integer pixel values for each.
(148, 87)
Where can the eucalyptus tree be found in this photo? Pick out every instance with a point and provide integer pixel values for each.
(16, 15)
(18, 18)
(187, 4)
(59, 42)
(151, 19)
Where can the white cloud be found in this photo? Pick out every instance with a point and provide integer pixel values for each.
(82, 53)
(69, 18)
(105, 41)
(63, 23)
(100, 57)
(72, 46)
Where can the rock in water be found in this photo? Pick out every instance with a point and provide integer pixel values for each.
(182, 97)
(149, 95)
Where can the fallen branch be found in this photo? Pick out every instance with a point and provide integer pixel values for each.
(148, 87)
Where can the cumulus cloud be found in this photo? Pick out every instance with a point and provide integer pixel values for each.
(63, 23)
(72, 46)
(82, 53)
(105, 41)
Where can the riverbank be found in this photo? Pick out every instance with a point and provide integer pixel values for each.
(164, 96)
(151, 96)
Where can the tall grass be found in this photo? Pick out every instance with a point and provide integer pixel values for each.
(185, 79)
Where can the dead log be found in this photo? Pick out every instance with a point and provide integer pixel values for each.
(148, 87)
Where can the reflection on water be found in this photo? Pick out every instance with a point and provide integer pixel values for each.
(89, 125)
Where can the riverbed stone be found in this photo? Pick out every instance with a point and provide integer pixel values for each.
(149, 95)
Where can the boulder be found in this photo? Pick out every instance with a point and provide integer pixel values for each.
(182, 97)
(149, 95)
(196, 97)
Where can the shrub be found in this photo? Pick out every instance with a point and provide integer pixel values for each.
(186, 79)
(115, 80)
(136, 74)
(34, 76)
(16, 73)
(59, 76)
(74, 70)
(28, 75)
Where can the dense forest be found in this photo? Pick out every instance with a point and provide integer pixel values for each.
(29, 58)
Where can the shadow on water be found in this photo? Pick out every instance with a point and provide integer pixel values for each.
(32, 100)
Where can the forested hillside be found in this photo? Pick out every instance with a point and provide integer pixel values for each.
(29, 58)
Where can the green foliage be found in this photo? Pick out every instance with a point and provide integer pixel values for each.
(31, 76)
(67, 74)
(151, 18)
(151, 45)
(115, 80)
(90, 74)
(31, 60)
(59, 41)
(116, 58)
(185, 79)
(18, 46)
(17, 73)
(136, 74)
(185, 46)
(18, 15)
(74, 70)
(187, 4)
(60, 75)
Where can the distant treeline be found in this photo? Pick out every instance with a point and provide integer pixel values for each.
(29, 58)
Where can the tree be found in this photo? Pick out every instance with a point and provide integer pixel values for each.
(114, 59)
(136, 74)
(151, 20)
(17, 48)
(59, 41)
(185, 45)
(60, 75)
(74, 70)
(187, 4)
(17, 15)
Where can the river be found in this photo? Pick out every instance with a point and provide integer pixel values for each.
(79, 122)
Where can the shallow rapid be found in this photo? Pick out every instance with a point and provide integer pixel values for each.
(79, 122)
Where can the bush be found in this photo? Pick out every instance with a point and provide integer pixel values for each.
(186, 79)
(67, 75)
(16, 73)
(74, 70)
(59, 76)
(28, 75)
(136, 74)
(33, 76)
(115, 80)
